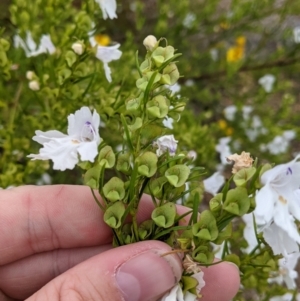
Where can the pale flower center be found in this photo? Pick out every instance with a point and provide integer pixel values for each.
(88, 132)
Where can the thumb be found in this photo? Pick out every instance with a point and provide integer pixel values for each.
(136, 272)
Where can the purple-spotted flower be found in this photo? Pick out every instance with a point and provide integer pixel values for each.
(166, 143)
(278, 201)
(64, 150)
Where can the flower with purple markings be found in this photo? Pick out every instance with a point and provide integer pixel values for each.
(278, 201)
(82, 139)
(166, 143)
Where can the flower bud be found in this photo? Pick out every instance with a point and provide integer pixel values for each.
(192, 155)
(78, 48)
(150, 42)
(34, 85)
(30, 75)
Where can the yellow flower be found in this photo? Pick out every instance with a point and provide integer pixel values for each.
(229, 131)
(222, 124)
(102, 39)
(224, 127)
(240, 41)
(236, 53)
(224, 25)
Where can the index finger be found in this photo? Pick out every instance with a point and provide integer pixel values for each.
(36, 219)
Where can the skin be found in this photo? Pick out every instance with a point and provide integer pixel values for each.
(54, 245)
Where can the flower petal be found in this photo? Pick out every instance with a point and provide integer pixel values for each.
(63, 153)
(108, 8)
(43, 137)
(108, 53)
(264, 210)
(279, 241)
(88, 151)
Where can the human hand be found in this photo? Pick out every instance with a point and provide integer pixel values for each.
(54, 245)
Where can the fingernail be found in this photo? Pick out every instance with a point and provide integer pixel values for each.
(148, 275)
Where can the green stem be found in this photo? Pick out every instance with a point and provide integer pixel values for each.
(96, 200)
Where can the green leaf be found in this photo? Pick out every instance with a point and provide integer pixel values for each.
(177, 174)
(114, 189)
(147, 164)
(70, 58)
(123, 163)
(133, 104)
(215, 204)
(206, 228)
(237, 201)
(224, 234)
(189, 283)
(243, 176)
(164, 216)
(233, 258)
(113, 215)
(92, 177)
(158, 107)
(145, 229)
(203, 254)
(107, 156)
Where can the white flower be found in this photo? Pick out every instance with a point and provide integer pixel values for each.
(201, 283)
(218, 249)
(82, 139)
(188, 20)
(108, 7)
(229, 112)
(30, 47)
(34, 85)
(168, 122)
(289, 135)
(246, 110)
(249, 233)
(278, 200)
(175, 88)
(267, 82)
(189, 83)
(287, 272)
(106, 54)
(285, 297)
(78, 48)
(176, 293)
(296, 33)
(166, 143)
(256, 122)
(279, 241)
(214, 183)
(278, 145)
(214, 53)
(224, 149)
(45, 179)
(30, 75)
